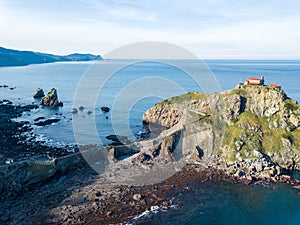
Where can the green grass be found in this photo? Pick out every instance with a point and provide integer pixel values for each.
(185, 98)
(291, 104)
(196, 95)
(295, 137)
(163, 103)
(248, 117)
(271, 139)
(232, 134)
(237, 92)
(182, 99)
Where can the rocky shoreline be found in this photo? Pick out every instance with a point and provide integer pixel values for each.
(53, 185)
(17, 138)
(84, 197)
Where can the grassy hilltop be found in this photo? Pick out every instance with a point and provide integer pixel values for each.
(251, 120)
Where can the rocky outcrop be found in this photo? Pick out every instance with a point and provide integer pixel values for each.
(51, 99)
(46, 122)
(39, 93)
(256, 119)
(118, 139)
(17, 176)
(105, 109)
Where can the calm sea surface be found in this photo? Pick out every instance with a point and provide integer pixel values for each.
(230, 204)
(205, 204)
(66, 77)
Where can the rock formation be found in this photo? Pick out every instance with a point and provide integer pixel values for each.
(105, 109)
(251, 128)
(51, 99)
(39, 93)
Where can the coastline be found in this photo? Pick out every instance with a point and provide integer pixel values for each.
(75, 194)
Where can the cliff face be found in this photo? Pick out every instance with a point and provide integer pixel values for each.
(247, 123)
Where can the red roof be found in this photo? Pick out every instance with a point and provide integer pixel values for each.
(274, 85)
(254, 79)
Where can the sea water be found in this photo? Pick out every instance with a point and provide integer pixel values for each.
(66, 77)
(216, 204)
(226, 203)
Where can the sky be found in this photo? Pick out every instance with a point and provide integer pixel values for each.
(211, 29)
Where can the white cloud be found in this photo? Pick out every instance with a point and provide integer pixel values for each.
(132, 14)
(210, 29)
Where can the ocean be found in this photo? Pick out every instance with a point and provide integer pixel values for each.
(226, 203)
(223, 203)
(127, 119)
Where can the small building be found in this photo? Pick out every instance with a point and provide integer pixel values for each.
(274, 85)
(255, 81)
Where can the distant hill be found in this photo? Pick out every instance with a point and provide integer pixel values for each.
(9, 57)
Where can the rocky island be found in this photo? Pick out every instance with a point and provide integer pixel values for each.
(246, 134)
(257, 128)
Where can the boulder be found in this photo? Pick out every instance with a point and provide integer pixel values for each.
(46, 122)
(294, 120)
(51, 99)
(121, 152)
(105, 109)
(39, 93)
(195, 155)
(74, 111)
(39, 118)
(118, 139)
(137, 197)
(167, 147)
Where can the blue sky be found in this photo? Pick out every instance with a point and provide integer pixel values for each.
(257, 29)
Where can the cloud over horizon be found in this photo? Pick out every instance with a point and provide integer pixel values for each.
(211, 29)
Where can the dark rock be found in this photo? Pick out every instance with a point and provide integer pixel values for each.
(81, 108)
(2, 158)
(47, 122)
(109, 213)
(143, 134)
(121, 151)
(39, 118)
(105, 109)
(247, 181)
(51, 99)
(39, 93)
(118, 139)
(74, 111)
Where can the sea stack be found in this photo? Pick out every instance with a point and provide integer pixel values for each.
(39, 93)
(51, 99)
(105, 109)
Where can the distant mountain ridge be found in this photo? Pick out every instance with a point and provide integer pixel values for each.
(10, 57)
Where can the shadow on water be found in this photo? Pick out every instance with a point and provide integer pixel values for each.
(229, 203)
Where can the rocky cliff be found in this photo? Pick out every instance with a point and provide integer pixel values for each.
(250, 129)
